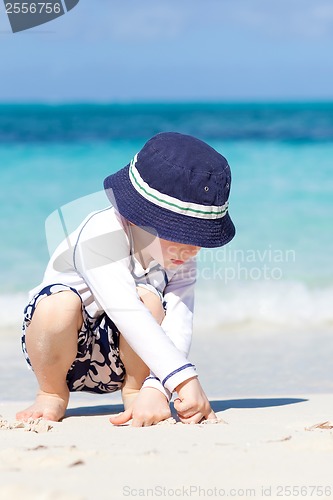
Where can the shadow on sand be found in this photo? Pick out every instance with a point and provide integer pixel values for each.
(219, 405)
(253, 403)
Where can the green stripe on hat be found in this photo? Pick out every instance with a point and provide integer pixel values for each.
(171, 203)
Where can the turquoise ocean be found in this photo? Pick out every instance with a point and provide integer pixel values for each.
(276, 273)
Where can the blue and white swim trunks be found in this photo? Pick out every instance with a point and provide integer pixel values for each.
(97, 366)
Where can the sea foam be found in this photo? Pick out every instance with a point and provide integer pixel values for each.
(283, 305)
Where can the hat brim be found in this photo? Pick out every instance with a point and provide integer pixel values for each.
(171, 226)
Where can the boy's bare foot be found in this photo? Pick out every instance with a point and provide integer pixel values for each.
(48, 406)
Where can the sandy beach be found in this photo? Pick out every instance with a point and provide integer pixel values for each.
(277, 440)
(268, 446)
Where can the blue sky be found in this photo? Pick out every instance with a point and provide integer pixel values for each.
(142, 50)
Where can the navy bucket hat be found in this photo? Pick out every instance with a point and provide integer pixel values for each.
(179, 187)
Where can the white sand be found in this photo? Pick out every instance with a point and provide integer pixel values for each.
(266, 443)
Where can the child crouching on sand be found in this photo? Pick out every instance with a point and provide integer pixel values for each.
(123, 319)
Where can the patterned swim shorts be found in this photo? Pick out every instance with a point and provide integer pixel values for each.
(97, 366)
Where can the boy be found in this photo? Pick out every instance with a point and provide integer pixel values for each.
(123, 319)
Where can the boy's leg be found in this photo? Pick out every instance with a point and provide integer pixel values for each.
(51, 342)
(136, 369)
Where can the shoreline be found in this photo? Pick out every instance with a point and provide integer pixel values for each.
(235, 363)
(270, 388)
(267, 444)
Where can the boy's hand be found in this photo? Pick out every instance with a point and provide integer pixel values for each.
(192, 404)
(150, 407)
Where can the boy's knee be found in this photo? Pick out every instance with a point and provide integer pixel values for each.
(62, 309)
(153, 302)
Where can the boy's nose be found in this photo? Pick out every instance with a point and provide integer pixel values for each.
(194, 249)
(189, 251)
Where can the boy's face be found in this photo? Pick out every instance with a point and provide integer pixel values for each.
(169, 254)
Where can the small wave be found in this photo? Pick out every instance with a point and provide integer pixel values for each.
(282, 305)
(11, 309)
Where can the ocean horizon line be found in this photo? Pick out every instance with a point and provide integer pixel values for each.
(173, 102)
(74, 121)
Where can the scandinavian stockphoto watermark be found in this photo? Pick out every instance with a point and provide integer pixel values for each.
(228, 264)
(26, 14)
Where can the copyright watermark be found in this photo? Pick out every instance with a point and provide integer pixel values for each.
(188, 491)
(26, 14)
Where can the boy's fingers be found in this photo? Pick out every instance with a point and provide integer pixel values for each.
(121, 418)
(188, 411)
(190, 415)
(198, 418)
(194, 419)
(211, 416)
(182, 408)
(139, 422)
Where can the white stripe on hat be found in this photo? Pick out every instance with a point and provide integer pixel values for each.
(171, 203)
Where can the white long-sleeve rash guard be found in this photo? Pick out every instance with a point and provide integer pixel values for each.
(97, 261)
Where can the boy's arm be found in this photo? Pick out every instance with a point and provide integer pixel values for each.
(191, 404)
(178, 321)
(179, 300)
(110, 280)
(150, 406)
